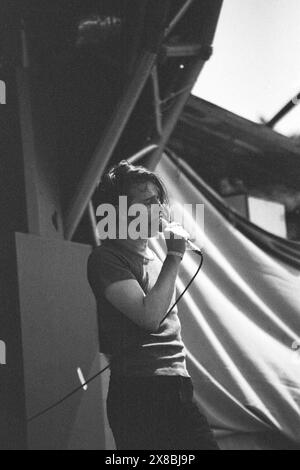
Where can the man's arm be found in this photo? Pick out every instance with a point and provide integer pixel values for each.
(147, 311)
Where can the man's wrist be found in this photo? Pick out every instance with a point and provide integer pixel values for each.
(175, 255)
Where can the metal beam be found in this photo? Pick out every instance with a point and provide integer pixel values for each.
(145, 151)
(182, 50)
(284, 111)
(157, 101)
(175, 112)
(213, 13)
(93, 221)
(29, 152)
(108, 143)
(178, 17)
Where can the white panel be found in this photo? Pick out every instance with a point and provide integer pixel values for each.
(268, 215)
(60, 335)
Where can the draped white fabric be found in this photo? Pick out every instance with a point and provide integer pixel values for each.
(240, 323)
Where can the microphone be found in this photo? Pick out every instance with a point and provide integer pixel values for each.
(190, 246)
(179, 230)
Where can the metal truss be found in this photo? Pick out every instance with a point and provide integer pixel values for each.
(166, 109)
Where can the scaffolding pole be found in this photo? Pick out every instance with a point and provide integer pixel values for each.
(175, 112)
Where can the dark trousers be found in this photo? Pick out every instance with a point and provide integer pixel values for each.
(157, 413)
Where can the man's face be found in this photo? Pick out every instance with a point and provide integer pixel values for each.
(147, 194)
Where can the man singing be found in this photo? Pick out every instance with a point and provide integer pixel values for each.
(150, 401)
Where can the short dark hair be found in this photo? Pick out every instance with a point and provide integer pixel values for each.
(119, 179)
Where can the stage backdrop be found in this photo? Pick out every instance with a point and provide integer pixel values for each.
(241, 326)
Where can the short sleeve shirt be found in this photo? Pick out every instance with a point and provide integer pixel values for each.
(134, 352)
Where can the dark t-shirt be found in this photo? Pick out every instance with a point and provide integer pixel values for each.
(135, 352)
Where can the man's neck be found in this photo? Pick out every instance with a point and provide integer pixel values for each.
(138, 246)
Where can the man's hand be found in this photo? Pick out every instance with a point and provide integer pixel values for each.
(175, 237)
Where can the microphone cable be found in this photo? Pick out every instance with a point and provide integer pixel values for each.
(94, 377)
